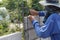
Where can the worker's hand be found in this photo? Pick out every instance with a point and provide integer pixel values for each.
(31, 17)
(33, 12)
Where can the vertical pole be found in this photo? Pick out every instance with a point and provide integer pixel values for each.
(23, 9)
(18, 13)
(22, 14)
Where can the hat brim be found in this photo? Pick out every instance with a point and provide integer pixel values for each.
(44, 3)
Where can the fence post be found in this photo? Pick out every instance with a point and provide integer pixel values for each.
(29, 30)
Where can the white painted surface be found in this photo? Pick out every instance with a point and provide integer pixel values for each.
(13, 36)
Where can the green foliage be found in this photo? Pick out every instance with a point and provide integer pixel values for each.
(1, 4)
(16, 9)
(11, 5)
(3, 27)
(25, 8)
(13, 16)
(5, 24)
(36, 5)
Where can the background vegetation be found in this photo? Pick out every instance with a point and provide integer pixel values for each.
(17, 9)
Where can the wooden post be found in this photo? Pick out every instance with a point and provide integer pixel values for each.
(29, 30)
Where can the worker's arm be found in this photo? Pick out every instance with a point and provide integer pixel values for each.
(46, 30)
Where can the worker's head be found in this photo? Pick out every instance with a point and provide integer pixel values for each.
(53, 8)
(50, 10)
(51, 4)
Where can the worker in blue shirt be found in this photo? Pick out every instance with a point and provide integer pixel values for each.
(51, 27)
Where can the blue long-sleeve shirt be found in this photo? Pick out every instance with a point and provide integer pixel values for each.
(51, 27)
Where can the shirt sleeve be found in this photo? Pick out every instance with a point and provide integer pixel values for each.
(42, 13)
(44, 31)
